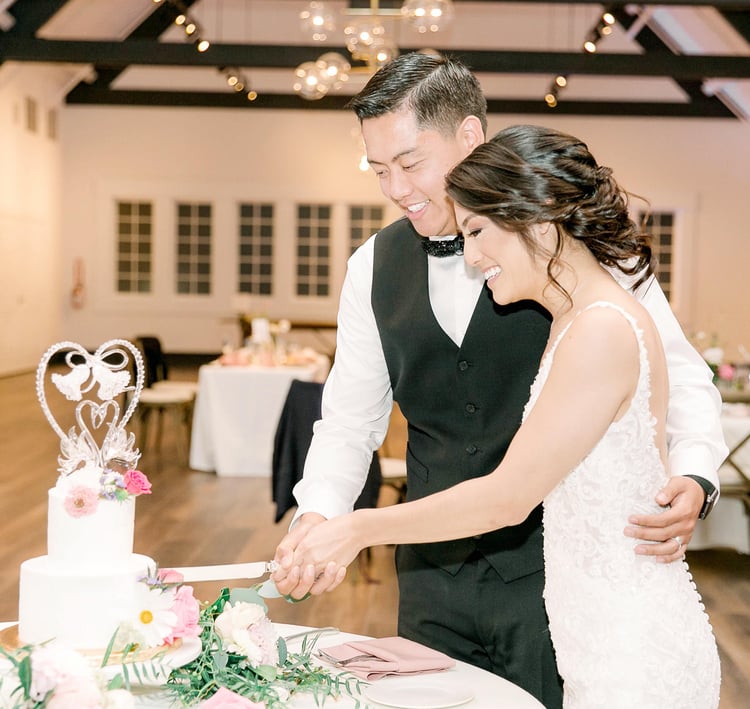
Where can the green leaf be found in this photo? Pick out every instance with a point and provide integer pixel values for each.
(247, 595)
(267, 672)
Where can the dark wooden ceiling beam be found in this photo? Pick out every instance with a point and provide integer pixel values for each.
(152, 53)
(87, 95)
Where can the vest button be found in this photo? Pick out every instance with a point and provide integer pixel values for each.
(477, 537)
(471, 449)
(470, 408)
(463, 365)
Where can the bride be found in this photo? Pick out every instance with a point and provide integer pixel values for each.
(544, 222)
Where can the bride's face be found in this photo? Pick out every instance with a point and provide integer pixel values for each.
(511, 272)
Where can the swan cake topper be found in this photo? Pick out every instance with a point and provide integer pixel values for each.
(96, 381)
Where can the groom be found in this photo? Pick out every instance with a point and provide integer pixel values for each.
(417, 325)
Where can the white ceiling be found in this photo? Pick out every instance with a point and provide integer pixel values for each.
(498, 26)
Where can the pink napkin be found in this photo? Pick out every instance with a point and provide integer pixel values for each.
(387, 656)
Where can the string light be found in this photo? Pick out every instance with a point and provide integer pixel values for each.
(603, 28)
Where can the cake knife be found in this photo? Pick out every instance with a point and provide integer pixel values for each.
(220, 572)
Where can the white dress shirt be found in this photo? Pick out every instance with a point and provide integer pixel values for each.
(357, 398)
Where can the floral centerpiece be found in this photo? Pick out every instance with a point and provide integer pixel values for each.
(242, 653)
(242, 663)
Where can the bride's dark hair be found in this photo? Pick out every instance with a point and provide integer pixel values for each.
(528, 175)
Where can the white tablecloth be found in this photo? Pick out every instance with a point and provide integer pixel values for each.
(236, 413)
(728, 525)
(488, 691)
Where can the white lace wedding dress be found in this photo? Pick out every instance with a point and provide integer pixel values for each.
(628, 632)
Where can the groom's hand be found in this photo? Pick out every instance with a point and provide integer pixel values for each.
(669, 531)
(290, 579)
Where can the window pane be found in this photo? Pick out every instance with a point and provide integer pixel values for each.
(255, 249)
(194, 248)
(313, 249)
(133, 265)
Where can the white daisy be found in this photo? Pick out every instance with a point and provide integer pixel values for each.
(153, 618)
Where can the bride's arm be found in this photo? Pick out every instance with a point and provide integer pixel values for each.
(594, 373)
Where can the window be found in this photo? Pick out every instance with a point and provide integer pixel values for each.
(313, 249)
(661, 227)
(364, 221)
(255, 260)
(133, 257)
(193, 249)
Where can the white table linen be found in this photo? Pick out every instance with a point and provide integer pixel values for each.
(236, 413)
(489, 691)
(728, 524)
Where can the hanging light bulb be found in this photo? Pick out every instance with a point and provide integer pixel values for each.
(311, 81)
(317, 21)
(380, 52)
(335, 67)
(361, 34)
(427, 15)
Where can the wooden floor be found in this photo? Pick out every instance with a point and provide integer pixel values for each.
(197, 518)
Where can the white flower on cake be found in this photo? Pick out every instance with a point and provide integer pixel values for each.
(246, 630)
(154, 618)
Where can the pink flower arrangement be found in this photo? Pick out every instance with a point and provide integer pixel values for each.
(187, 609)
(167, 611)
(226, 699)
(81, 501)
(136, 483)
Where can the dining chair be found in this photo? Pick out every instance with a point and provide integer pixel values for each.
(161, 398)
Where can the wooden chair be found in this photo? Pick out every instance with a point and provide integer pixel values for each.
(162, 397)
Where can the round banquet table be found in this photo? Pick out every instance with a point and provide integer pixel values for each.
(469, 686)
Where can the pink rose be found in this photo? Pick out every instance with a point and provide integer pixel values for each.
(136, 483)
(81, 501)
(187, 610)
(169, 576)
(226, 699)
(726, 372)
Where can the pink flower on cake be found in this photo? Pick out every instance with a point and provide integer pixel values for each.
(136, 483)
(187, 609)
(81, 501)
(169, 577)
(246, 630)
(226, 699)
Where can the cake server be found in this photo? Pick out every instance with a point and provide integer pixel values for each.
(220, 572)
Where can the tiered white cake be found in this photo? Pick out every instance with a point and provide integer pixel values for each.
(85, 587)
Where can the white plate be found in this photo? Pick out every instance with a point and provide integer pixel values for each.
(417, 695)
(154, 671)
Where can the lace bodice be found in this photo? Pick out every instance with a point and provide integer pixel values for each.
(627, 631)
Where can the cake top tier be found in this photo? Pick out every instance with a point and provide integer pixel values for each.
(97, 382)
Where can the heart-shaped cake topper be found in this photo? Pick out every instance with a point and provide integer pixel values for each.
(95, 381)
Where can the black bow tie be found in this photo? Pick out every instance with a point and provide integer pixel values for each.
(443, 248)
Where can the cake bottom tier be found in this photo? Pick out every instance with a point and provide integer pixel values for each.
(81, 607)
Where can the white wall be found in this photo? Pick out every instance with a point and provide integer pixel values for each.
(219, 156)
(30, 308)
(698, 167)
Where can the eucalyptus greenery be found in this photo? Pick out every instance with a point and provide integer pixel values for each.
(273, 685)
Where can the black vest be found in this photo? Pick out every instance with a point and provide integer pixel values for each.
(463, 404)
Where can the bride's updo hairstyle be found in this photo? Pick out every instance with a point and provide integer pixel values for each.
(527, 175)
